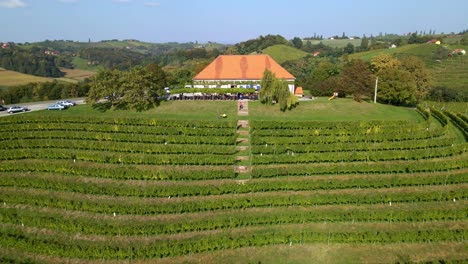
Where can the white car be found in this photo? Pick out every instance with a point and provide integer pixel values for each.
(66, 103)
(17, 109)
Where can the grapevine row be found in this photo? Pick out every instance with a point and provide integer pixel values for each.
(131, 226)
(154, 206)
(64, 245)
(48, 181)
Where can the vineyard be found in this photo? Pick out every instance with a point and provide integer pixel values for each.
(93, 189)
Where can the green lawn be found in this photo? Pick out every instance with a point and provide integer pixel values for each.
(179, 110)
(319, 109)
(336, 110)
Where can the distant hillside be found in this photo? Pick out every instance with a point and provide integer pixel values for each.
(281, 53)
(451, 72)
(336, 43)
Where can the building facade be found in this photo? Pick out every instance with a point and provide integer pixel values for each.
(240, 71)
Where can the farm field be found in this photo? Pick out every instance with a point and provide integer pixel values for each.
(12, 78)
(77, 74)
(372, 183)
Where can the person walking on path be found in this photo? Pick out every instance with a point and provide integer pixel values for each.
(241, 106)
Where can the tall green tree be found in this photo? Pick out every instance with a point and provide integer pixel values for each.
(323, 71)
(106, 84)
(383, 62)
(397, 87)
(364, 44)
(274, 90)
(266, 90)
(421, 75)
(356, 79)
(137, 89)
(349, 49)
(142, 87)
(297, 42)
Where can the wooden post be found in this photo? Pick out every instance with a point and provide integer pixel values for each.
(375, 90)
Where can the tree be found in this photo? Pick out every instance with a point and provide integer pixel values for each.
(364, 44)
(349, 49)
(137, 89)
(308, 47)
(106, 84)
(266, 91)
(383, 62)
(421, 76)
(324, 70)
(297, 42)
(397, 87)
(181, 77)
(356, 79)
(274, 90)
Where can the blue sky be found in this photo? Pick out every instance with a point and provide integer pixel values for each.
(221, 20)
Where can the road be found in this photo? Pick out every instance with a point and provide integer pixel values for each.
(35, 106)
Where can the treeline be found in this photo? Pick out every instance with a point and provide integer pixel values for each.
(44, 91)
(112, 58)
(257, 45)
(403, 81)
(32, 61)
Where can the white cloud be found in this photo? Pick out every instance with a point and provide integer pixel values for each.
(152, 3)
(13, 3)
(69, 1)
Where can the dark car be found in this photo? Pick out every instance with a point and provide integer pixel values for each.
(2, 108)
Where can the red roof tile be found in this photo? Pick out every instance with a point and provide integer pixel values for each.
(242, 67)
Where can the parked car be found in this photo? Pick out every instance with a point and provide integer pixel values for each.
(56, 107)
(66, 103)
(17, 109)
(2, 108)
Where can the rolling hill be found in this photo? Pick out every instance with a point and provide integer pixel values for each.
(451, 72)
(282, 53)
(12, 78)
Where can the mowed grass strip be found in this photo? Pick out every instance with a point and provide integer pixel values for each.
(295, 253)
(168, 110)
(332, 253)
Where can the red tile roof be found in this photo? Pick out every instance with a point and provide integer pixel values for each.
(298, 91)
(242, 67)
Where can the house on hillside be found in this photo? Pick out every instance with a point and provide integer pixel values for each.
(316, 53)
(51, 52)
(459, 52)
(434, 41)
(5, 45)
(240, 71)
